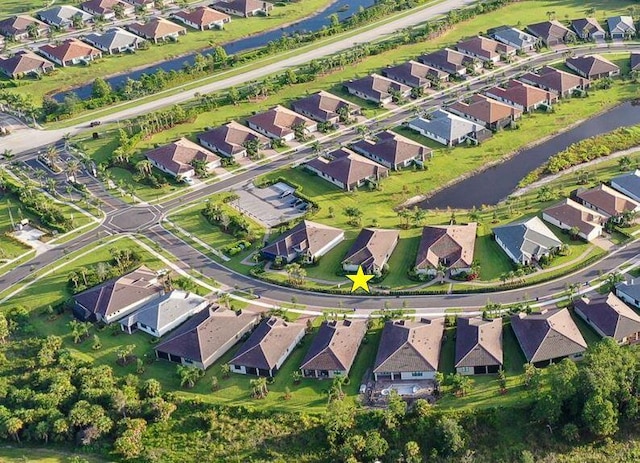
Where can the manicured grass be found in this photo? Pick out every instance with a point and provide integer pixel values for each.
(26, 454)
(588, 333)
(402, 260)
(493, 261)
(9, 248)
(331, 262)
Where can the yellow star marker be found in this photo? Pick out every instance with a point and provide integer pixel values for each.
(360, 280)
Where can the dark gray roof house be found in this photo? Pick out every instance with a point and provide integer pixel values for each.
(526, 242)
(592, 67)
(628, 184)
(62, 16)
(392, 150)
(115, 40)
(629, 292)
(230, 139)
(621, 27)
(106, 8)
(449, 129)
(552, 33)
(611, 317)
(450, 61)
(268, 347)
(561, 82)
(371, 250)
(409, 350)
(206, 337)
(548, 337)
(514, 37)
(376, 88)
(588, 29)
(635, 61)
(333, 349)
(309, 240)
(478, 345)
(324, 107)
(415, 74)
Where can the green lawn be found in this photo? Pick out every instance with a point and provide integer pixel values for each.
(9, 248)
(493, 261)
(26, 454)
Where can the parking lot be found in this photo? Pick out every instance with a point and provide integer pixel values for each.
(270, 206)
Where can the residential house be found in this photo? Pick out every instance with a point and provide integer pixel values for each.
(21, 26)
(478, 346)
(107, 8)
(371, 250)
(628, 184)
(377, 88)
(414, 74)
(325, 107)
(24, 63)
(392, 150)
(163, 314)
(346, 169)
(144, 4)
(63, 16)
(485, 49)
(491, 113)
(635, 62)
(409, 350)
(552, 33)
(202, 18)
(629, 292)
(158, 30)
(333, 349)
(555, 80)
(523, 96)
(610, 317)
(307, 240)
(178, 158)
(451, 61)
(70, 52)
(548, 337)
(527, 241)
(621, 27)
(570, 215)
(593, 67)
(206, 337)
(114, 40)
(449, 129)
(607, 201)
(449, 247)
(118, 297)
(280, 123)
(515, 37)
(267, 348)
(244, 8)
(588, 29)
(230, 140)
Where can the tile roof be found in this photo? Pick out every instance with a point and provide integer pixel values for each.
(63, 15)
(487, 48)
(392, 148)
(230, 138)
(521, 94)
(550, 30)
(69, 50)
(202, 16)
(547, 335)
(322, 105)
(24, 62)
(306, 236)
(486, 109)
(586, 26)
(453, 244)
(574, 214)
(120, 292)
(529, 239)
(555, 79)
(592, 65)
(478, 342)
(446, 125)
(371, 248)
(178, 156)
(608, 200)
(408, 346)
(335, 346)
(156, 28)
(202, 336)
(612, 316)
(279, 120)
(114, 38)
(448, 60)
(268, 343)
(347, 167)
(16, 25)
(629, 182)
(413, 73)
(513, 35)
(376, 86)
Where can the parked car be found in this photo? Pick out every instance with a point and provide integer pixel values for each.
(95, 123)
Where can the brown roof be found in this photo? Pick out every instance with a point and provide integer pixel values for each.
(592, 65)
(24, 62)
(202, 16)
(307, 236)
(202, 336)
(610, 315)
(522, 94)
(555, 79)
(487, 48)
(178, 156)
(478, 342)
(608, 200)
(550, 31)
(347, 167)
(279, 120)
(156, 28)
(245, 6)
(573, 214)
(453, 244)
(17, 25)
(121, 292)
(102, 6)
(335, 346)
(392, 148)
(448, 60)
(408, 346)
(547, 335)
(376, 86)
(413, 73)
(268, 343)
(486, 109)
(635, 61)
(371, 248)
(69, 50)
(322, 106)
(230, 138)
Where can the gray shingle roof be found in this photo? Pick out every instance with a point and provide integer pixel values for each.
(371, 248)
(114, 38)
(63, 15)
(514, 36)
(621, 25)
(376, 86)
(612, 316)
(478, 342)
(592, 66)
(632, 290)
(335, 346)
(446, 125)
(531, 238)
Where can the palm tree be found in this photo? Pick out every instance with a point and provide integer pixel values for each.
(259, 388)
(73, 167)
(226, 369)
(51, 185)
(52, 156)
(145, 168)
(189, 375)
